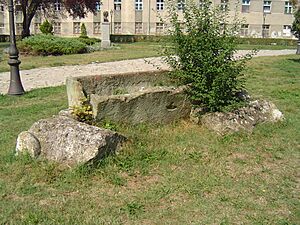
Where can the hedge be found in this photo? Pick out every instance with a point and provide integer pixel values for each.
(128, 38)
(51, 45)
(267, 41)
(6, 38)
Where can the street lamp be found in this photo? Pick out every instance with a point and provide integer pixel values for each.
(15, 86)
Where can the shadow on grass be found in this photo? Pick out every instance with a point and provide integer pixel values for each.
(295, 60)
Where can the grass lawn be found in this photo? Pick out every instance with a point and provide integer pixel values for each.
(175, 174)
(120, 52)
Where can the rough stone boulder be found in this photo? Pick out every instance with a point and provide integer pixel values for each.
(245, 118)
(65, 140)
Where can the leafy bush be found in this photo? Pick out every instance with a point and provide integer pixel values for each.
(51, 45)
(83, 32)
(201, 54)
(46, 27)
(89, 41)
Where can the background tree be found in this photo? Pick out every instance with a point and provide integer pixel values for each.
(46, 27)
(29, 8)
(83, 32)
(296, 23)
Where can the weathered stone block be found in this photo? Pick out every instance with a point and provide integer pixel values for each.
(153, 105)
(65, 140)
(131, 98)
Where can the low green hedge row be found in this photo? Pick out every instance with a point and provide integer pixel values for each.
(52, 45)
(128, 38)
(89, 41)
(267, 41)
(6, 38)
(118, 38)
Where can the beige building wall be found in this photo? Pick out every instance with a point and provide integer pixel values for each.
(127, 18)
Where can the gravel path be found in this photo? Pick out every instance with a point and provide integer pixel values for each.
(55, 76)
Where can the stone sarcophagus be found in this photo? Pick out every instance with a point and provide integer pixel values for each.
(146, 97)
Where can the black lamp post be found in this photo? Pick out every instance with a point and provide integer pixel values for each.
(15, 86)
(298, 45)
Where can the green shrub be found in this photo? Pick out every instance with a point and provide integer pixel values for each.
(51, 45)
(129, 38)
(201, 54)
(83, 32)
(89, 41)
(266, 41)
(46, 27)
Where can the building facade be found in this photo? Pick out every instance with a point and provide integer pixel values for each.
(260, 18)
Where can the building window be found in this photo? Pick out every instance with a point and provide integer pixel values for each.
(98, 6)
(267, 6)
(117, 28)
(1, 8)
(245, 6)
(19, 28)
(265, 30)
(159, 4)
(57, 28)
(224, 5)
(138, 28)
(288, 8)
(287, 30)
(159, 28)
(180, 4)
(1, 28)
(244, 30)
(138, 5)
(117, 5)
(19, 15)
(37, 28)
(57, 5)
(76, 28)
(97, 28)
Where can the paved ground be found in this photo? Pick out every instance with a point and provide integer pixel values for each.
(55, 76)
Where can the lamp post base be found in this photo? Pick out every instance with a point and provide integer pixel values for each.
(15, 86)
(298, 47)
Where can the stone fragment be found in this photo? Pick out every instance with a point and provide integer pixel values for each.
(28, 143)
(245, 118)
(65, 140)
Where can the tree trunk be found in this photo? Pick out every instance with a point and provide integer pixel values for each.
(25, 31)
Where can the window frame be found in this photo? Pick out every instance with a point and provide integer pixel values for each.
(160, 5)
(267, 4)
(246, 6)
(138, 5)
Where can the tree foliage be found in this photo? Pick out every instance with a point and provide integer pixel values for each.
(201, 51)
(46, 27)
(29, 8)
(83, 32)
(296, 22)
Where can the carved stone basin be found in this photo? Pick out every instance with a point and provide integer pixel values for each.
(130, 98)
